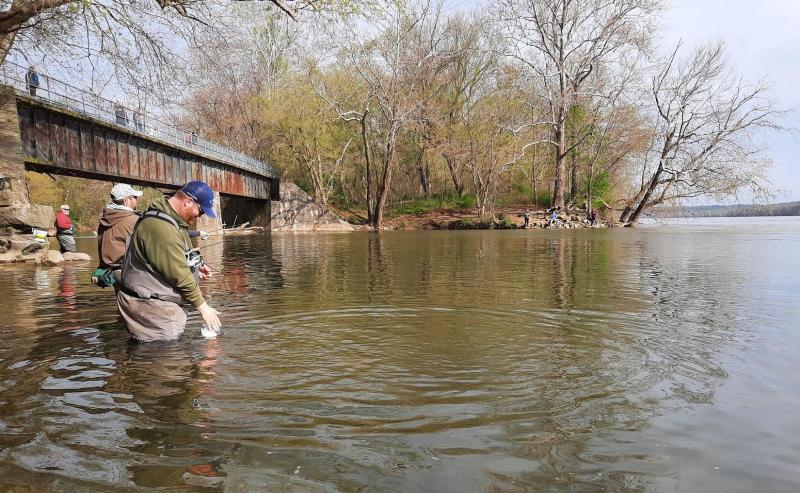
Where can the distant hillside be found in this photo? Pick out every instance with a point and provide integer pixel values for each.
(742, 210)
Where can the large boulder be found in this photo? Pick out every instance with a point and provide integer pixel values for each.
(51, 258)
(27, 215)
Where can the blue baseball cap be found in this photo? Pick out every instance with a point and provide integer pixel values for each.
(201, 193)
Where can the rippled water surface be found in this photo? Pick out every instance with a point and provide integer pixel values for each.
(659, 359)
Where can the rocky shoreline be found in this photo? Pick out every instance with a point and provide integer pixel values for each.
(506, 218)
(19, 248)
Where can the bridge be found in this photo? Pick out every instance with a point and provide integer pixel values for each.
(60, 129)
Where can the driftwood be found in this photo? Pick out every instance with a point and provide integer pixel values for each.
(242, 230)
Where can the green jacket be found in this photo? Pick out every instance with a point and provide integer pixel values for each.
(162, 246)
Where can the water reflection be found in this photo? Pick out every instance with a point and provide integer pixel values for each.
(474, 361)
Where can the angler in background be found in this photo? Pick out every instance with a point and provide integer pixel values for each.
(116, 226)
(65, 231)
(160, 271)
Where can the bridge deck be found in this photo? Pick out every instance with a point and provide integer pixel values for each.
(67, 129)
(58, 139)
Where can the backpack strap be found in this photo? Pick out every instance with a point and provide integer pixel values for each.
(159, 215)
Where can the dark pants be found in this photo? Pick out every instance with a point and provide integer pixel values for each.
(32, 90)
(66, 243)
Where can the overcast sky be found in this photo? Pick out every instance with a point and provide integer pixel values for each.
(763, 41)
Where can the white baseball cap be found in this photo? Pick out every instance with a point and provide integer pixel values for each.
(122, 190)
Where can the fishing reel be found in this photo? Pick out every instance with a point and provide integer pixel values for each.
(194, 259)
(103, 278)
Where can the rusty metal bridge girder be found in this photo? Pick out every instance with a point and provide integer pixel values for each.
(59, 140)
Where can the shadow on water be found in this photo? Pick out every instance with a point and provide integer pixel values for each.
(442, 361)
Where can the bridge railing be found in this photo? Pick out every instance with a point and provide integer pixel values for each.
(59, 93)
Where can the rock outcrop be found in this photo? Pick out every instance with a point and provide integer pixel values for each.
(297, 211)
(26, 216)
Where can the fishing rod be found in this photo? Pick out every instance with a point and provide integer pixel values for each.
(209, 245)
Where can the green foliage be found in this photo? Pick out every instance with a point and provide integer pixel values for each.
(601, 189)
(480, 223)
(356, 220)
(505, 224)
(467, 223)
(521, 193)
(439, 203)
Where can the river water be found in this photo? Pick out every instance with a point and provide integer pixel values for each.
(658, 359)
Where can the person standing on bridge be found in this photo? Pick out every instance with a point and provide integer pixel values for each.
(32, 78)
(138, 120)
(65, 231)
(116, 226)
(160, 272)
(120, 114)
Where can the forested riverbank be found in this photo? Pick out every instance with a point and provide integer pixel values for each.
(373, 105)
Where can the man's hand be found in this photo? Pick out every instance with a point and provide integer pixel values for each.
(210, 317)
(204, 271)
(203, 235)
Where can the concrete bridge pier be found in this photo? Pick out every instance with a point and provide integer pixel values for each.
(16, 211)
(239, 210)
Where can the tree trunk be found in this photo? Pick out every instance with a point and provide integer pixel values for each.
(424, 173)
(573, 191)
(368, 184)
(6, 42)
(383, 191)
(558, 185)
(645, 198)
(457, 183)
(589, 198)
(652, 184)
(533, 176)
(628, 210)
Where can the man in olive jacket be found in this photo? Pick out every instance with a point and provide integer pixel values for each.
(157, 276)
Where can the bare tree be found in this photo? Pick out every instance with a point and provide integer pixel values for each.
(389, 64)
(457, 81)
(705, 131)
(246, 57)
(138, 41)
(491, 147)
(558, 44)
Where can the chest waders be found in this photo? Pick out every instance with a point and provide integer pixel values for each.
(140, 279)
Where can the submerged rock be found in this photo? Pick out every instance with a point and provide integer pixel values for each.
(76, 256)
